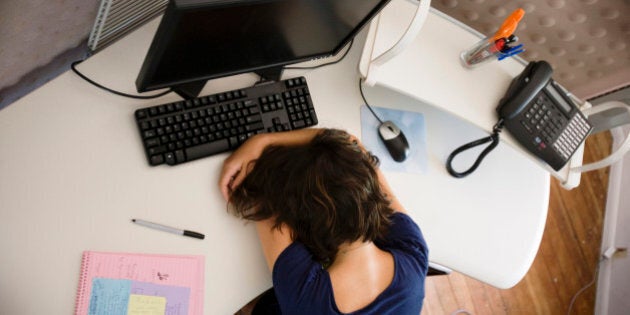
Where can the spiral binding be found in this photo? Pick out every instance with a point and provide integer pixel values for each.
(83, 278)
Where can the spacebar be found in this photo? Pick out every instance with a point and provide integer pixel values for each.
(207, 149)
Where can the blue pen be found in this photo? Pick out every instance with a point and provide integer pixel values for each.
(512, 53)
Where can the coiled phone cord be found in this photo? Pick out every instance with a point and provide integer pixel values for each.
(493, 138)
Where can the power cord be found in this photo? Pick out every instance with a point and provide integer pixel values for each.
(366, 102)
(84, 77)
(588, 285)
(144, 97)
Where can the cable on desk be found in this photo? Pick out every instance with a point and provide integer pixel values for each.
(144, 97)
(366, 102)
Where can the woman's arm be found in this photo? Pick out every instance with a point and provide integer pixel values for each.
(235, 167)
(394, 203)
(273, 241)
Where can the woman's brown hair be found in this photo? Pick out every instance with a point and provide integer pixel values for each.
(326, 191)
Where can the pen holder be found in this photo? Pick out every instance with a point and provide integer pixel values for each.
(483, 51)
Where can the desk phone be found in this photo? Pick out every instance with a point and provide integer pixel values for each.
(542, 118)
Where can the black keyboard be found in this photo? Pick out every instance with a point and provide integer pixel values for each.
(183, 131)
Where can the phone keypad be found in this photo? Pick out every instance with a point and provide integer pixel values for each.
(549, 127)
(572, 136)
(542, 119)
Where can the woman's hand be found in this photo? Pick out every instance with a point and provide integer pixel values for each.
(237, 165)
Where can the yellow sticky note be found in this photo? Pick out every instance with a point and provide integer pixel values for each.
(146, 305)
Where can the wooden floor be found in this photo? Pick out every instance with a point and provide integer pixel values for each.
(565, 263)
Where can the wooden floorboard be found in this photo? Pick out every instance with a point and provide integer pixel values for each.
(566, 261)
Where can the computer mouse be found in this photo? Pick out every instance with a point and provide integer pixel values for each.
(394, 140)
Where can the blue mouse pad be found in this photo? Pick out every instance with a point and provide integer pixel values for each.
(412, 125)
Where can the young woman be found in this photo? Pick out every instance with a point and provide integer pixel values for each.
(334, 235)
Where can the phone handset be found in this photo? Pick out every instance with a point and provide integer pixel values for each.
(524, 89)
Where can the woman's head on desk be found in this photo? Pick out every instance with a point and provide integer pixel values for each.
(326, 191)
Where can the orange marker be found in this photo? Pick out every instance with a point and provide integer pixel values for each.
(509, 25)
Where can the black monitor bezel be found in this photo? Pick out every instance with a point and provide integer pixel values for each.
(173, 14)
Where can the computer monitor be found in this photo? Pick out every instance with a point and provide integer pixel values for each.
(198, 40)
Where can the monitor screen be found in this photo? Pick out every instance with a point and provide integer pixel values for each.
(199, 40)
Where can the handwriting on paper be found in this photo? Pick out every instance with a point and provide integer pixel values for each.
(146, 305)
(109, 296)
(176, 297)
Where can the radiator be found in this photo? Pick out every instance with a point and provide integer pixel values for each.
(116, 18)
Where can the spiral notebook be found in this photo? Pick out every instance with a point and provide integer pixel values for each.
(123, 283)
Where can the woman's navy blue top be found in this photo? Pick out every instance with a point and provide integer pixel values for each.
(303, 287)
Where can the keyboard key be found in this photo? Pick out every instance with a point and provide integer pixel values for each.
(141, 114)
(157, 150)
(149, 134)
(254, 110)
(152, 142)
(170, 158)
(157, 159)
(207, 149)
(179, 156)
(251, 119)
(255, 126)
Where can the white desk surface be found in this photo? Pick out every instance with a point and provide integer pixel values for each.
(73, 174)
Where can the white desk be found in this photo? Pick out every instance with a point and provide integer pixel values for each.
(73, 174)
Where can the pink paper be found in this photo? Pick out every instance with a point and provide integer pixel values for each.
(174, 270)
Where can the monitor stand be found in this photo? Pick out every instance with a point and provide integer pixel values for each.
(189, 90)
(270, 74)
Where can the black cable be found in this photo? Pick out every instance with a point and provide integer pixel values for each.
(144, 97)
(493, 138)
(366, 103)
(74, 69)
(324, 64)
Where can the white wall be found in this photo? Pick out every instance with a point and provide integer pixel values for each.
(613, 287)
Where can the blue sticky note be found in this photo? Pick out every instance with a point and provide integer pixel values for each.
(109, 296)
(413, 126)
